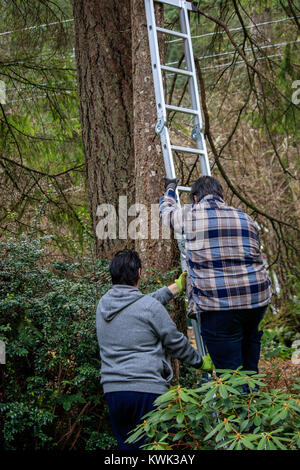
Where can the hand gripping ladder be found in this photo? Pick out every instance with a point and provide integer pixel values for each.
(161, 107)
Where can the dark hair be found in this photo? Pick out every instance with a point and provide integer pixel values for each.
(124, 267)
(206, 185)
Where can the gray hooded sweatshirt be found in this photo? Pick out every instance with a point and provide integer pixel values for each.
(136, 337)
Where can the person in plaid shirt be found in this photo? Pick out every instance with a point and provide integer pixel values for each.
(228, 285)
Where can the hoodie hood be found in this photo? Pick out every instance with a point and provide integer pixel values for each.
(116, 299)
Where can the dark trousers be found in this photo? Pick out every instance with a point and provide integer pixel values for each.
(126, 410)
(232, 337)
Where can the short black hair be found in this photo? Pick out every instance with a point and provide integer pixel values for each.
(124, 267)
(206, 185)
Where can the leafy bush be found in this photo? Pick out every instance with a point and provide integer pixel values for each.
(50, 395)
(220, 415)
(282, 329)
(273, 345)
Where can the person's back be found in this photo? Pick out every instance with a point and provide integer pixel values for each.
(131, 328)
(136, 336)
(229, 287)
(225, 261)
(225, 264)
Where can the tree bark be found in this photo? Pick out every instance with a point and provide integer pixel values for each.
(155, 252)
(118, 114)
(104, 64)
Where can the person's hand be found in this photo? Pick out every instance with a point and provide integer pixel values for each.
(181, 282)
(171, 183)
(207, 363)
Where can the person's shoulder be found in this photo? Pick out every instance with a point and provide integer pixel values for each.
(152, 304)
(236, 210)
(243, 215)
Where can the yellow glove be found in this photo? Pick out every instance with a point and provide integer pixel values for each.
(181, 282)
(207, 363)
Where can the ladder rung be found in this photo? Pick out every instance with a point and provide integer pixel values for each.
(178, 3)
(181, 110)
(187, 149)
(175, 70)
(171, 32)
(183, 188)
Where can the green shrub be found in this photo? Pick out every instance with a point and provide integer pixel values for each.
(50, 395)
(220, 415)
(273, 344)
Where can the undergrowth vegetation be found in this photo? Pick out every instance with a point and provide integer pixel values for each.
(224, 413)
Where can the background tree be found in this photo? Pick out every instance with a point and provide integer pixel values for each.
(104, 62)
(118, 113)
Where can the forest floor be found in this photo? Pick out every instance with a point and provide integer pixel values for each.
(279, 373)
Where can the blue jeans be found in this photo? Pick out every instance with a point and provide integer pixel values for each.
(232, 337)
(126, 410)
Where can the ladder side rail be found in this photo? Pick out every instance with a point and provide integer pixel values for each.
(159, 89)
(194, 93)
(155, 59)
(190, 64)
(196, 324)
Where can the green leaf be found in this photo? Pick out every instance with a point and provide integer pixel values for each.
(185, 397)
(209, 395)
(223, 391)
(136, 435)
(257, 420)
(282, 415)
(179, 435)
(247, 443)
(232, 446)
(167, 415)
(271, 445)
(180, 418)
(221, 435)
(166, 397)
(262, 444)
(213, 431)
(279, 443)
(244, 425)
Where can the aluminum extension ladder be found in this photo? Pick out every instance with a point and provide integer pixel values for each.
(161, 127)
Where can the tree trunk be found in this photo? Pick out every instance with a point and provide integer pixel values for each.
(103, 55)
(118, 115)
(155, 252)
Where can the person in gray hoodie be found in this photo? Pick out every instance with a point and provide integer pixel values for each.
(137, 338)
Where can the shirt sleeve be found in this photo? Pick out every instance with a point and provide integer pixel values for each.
(163, 295)
(171, 214)
(174, 342)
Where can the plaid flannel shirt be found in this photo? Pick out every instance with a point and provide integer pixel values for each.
(225, 266)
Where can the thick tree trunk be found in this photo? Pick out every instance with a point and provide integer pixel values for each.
(149, 168)
(118, 115)
(103, 54)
